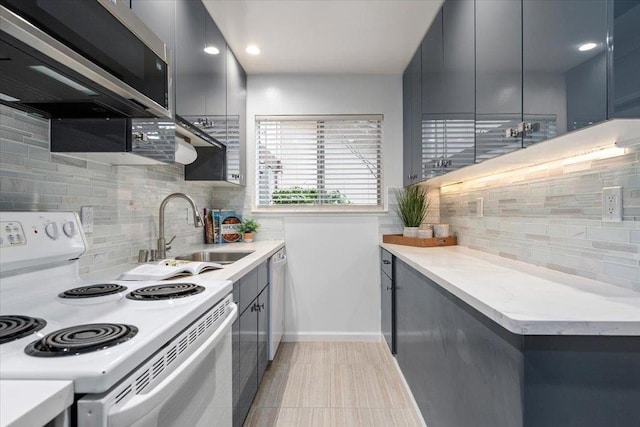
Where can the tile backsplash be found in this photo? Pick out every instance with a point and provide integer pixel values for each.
(126, 199)
(552, 217)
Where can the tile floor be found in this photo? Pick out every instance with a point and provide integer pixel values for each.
(332, 384)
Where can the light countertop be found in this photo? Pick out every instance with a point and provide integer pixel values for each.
(33, 403)
(261, 251)
(526, 299)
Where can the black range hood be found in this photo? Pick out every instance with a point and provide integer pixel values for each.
(81, 59)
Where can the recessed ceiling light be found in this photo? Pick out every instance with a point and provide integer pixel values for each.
(587, 46)
(212, 50)
(252, 49)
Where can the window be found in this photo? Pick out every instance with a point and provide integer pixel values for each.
(319, 162)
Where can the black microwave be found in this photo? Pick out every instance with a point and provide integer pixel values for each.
(82, 59)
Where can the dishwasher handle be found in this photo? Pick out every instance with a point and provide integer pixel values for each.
(280, 261)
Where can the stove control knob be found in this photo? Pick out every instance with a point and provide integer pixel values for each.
(69, 229)
(52, 230)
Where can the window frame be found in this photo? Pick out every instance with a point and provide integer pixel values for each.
(379, 208)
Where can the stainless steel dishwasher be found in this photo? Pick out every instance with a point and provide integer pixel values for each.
(277, 274)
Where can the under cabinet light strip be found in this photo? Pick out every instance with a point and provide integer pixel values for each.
(604, 153)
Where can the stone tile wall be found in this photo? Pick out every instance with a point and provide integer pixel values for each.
(552, 217)
(126, 199)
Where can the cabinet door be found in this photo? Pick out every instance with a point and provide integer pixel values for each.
(411, 339)
(263, 275)
(564, 88)
(386, 292)
(248, 289)
(236, 119)
(263, 332)
(160, 17)
(406, 127)
(432, 76)
(199, 77)
(458, 106)
(248, 350)
(498, 76)
(625, 85)
(411, 147)
(431, 137)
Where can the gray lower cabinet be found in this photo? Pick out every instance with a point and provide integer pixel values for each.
(387, 300)
(250, 332)
(262, 307)
(466, 370)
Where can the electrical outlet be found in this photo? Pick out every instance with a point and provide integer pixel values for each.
(480, 207)
(612, 204)
(86, 217)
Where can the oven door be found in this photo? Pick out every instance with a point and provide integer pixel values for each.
(197, 393)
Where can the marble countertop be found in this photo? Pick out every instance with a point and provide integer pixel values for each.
(526, 299)
(33, 403)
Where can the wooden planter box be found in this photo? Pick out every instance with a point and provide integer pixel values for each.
(399, 239)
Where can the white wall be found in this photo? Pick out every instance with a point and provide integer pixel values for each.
(333, 290)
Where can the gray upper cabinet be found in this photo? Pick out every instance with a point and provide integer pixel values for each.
(458, 38)
(456, 127)
(432, 100)
(447, 129)
(498, 77)
(412, 146)
(406, 126)
(432, 78)
(200, 77)
(236, 122)
(159, 16)
(564, 88)
(625, 84)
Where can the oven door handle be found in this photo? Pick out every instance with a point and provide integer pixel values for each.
(144, 404)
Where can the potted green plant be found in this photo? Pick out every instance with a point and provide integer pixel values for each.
(412, 208)
(247, 228)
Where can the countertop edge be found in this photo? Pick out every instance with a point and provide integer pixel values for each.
(518, 326)
(48, 399)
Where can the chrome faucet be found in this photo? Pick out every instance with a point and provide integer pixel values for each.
(163, 246)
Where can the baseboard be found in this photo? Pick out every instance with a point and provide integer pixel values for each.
(413, 400)
(332, 337)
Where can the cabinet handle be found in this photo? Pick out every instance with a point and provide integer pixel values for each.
(388, 288)
(386, 261)
(261, 307)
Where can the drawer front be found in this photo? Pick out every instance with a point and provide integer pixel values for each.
(386, 263)
(248, 289)
(263, 275)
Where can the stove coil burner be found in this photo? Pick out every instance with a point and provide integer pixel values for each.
(91, 291)
(81, 339)
(168, 291)
(16, 327)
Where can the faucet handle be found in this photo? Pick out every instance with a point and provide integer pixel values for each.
(170, 240)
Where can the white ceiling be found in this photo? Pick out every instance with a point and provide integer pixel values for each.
(324, 37)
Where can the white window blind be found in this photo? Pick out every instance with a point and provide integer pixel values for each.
(328, 162)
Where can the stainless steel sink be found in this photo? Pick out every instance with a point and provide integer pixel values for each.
(218, 257)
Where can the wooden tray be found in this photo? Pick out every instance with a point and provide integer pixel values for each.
(399, 239)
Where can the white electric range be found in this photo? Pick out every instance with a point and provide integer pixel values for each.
(136, 351)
